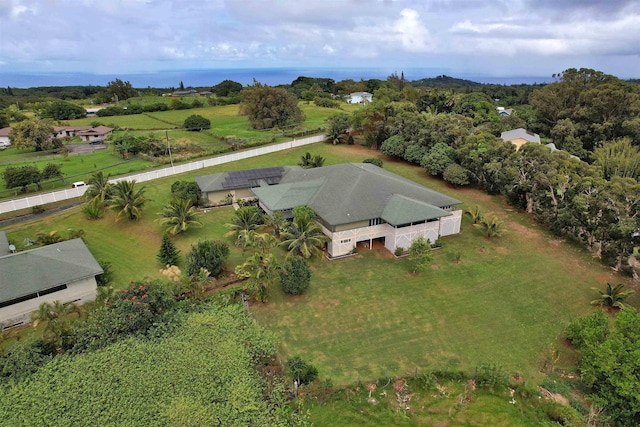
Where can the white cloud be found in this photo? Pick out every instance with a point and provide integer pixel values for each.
(413, 34)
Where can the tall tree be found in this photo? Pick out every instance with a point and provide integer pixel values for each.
(618, 158)
(127, 200)
(33, 134)
(269, 107)
(121, 90)
(62, 110)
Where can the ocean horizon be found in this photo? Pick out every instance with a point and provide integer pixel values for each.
(246, 76)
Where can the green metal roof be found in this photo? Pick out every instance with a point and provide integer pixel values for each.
(287, 196)
(402, 210)
(24, 273)
(347, 193)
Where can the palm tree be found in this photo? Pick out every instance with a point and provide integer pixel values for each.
(317, 161)
(262, 270)
(127, 200)
(304, 237)
(276, 220)
(305, 161)
(105, 294)
(492, 226)
(335, 134)
(58, 325)
(613, 296)
(100, 189)
(179, 215)
(474, 213)
(246, 218)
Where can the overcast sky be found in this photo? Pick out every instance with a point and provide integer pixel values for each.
(495, 37)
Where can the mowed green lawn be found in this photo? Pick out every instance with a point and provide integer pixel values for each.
(506, 302)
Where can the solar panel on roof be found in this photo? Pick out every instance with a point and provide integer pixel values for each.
(252, 177)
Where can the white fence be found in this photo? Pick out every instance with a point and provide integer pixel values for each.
(56, 196)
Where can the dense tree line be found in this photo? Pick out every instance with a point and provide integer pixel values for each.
(456, 136)
(585, 108)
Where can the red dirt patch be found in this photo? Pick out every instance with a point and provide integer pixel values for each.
(435, 267)
(502, 250)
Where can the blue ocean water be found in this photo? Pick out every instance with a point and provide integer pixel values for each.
(271, 76)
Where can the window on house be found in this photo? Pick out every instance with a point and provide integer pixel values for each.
(345, 241)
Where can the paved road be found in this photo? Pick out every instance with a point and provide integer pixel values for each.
(71, 193)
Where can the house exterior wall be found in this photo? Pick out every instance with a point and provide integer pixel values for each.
(4, 141)
(519, 142)
(216, 197)
(80, 291)
(402, 237)
(451, 224)
(94, 138)
(344, 240)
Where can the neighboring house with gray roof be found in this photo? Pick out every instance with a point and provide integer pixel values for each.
(354, 202)
(520, 136)
(64, 271)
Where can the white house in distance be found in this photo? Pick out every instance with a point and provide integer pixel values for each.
(4, 137)
(520, 136)
(354, 202)
(64, 271)
(359, 98)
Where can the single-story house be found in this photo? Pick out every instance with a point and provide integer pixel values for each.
(64, 271)
(520, 136)
(4, 137)
(359, 98)
(96, 134)
(354, 202)
(86, 133)
(205, 93)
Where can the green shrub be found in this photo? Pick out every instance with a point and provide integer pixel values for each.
(92, 210)
(301, 371)
(196, 122)
(492, 377)
(399, 251)
(374, 161)
(209, 254)
(296, 276)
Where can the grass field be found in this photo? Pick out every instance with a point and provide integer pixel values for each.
(78, 168)
(507, 301)
(225, 123)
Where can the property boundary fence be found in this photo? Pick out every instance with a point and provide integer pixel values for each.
(56, 196)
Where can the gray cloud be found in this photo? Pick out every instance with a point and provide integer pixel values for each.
(146, 35)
